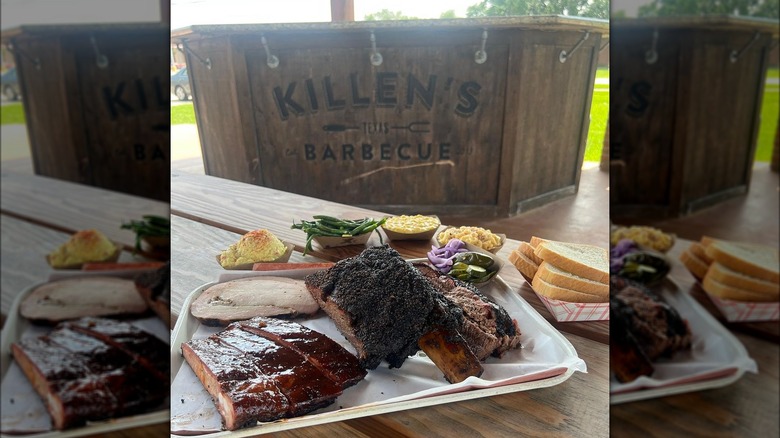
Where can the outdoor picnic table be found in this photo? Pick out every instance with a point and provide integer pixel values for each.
(209, 213)
(40, 213)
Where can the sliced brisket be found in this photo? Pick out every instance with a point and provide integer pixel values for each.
(382, 305)
(487, 327)
(657, 327)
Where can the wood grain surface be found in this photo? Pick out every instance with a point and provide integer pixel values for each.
(577, 407)
(194, 197)
(69, 207)
(746, 408)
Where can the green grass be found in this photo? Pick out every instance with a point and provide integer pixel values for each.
(602, 73)
(773, 72)
(183, 114)
(12, 114)
(599, 111)
(766, 131)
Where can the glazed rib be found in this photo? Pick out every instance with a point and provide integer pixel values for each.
(324, 353)
(81, 377)
(253, 377)
(242, 395)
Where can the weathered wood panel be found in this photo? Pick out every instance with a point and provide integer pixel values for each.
(643, 101)
(428, 130)
(414, 130)
(103, 125)
(722, 122)
(550, 111)
(684, 128)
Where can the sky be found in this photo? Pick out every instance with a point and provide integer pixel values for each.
(189, 12)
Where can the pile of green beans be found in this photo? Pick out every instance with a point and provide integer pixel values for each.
(332, 227)
(151, 225)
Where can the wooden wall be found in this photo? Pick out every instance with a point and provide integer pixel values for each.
(429, 130)
(684, 129)
(108, 127)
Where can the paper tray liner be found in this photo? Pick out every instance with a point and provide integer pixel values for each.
(744, 311)
(717, 358)
(27, 414)
(546, 358)
(565, 311)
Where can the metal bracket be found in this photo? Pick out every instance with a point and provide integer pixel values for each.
(100, 59)
(564, 55)
(376, 57)
(651, 56)
(735, 54)
(481, 55)
(184, 48)
(36, 62)
(270, 59)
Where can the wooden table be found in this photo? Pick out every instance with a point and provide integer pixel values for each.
(746, 408)
(39, 214)
(209, 213)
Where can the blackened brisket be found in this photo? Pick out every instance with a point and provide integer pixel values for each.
(382, 305)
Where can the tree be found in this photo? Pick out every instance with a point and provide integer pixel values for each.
(507, 8)
(386, 14)
(755, 8)
(448, 14)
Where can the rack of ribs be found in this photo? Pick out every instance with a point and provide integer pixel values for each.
(94, 369)
(265, 369)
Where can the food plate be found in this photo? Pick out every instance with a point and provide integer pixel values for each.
(20, 404)
(716, 358)
(471, 246)
(546, 359)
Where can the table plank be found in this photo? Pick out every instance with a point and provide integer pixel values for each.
(583, 397)
(24, 249)
(747, 407)
(70, 207)
(250, 207)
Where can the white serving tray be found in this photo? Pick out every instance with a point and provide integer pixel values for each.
(384, 390)
(716, 359)
(16, 327)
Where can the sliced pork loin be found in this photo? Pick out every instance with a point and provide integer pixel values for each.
(382, 305)
(267, 369)
(83, 296)
(94, 369)
(487, 327)
(246, 298)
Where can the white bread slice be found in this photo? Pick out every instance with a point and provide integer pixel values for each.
(560, 293)
(587, 261)
(567, 280)
(523, 264)
(528, 251)
(535, 241)
(729, 277)
(700, 251)
(756, 261)
(695, 265)
(707, 241)
(714, 287)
